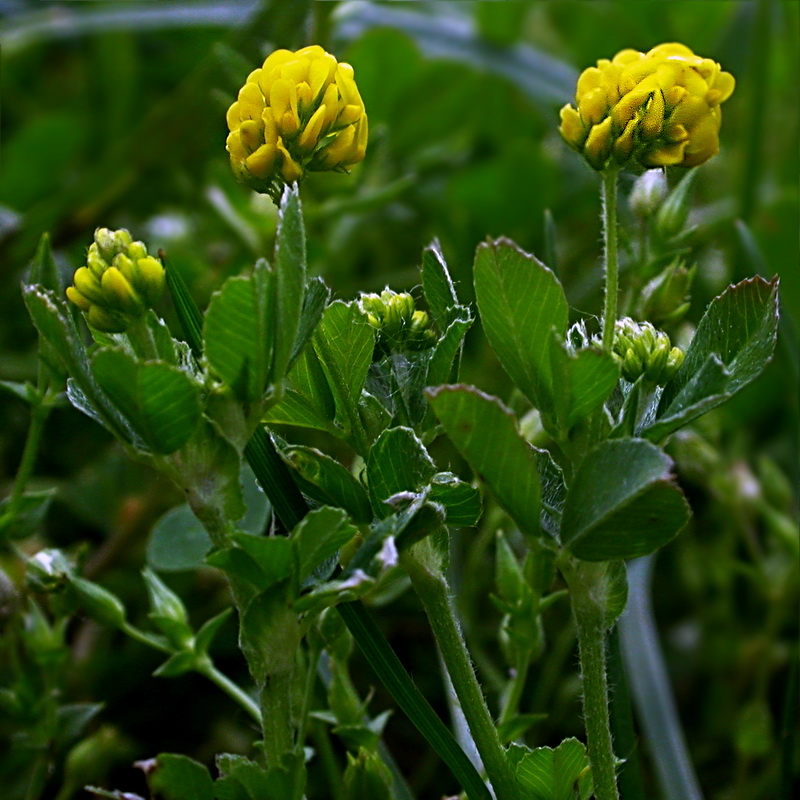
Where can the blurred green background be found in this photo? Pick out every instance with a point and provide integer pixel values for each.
(113, 115)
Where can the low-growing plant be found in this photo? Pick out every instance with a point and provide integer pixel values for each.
(576, 477)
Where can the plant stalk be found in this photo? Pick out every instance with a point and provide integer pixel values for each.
(585, 582)
(434, 593)
(609, 196)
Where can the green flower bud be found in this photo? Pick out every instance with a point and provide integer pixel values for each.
(648, 193)
(399, 324)
(665, 299)
(642, 350)
(168, 611)
(674, 211)
(99, 603)
(119, 283)
(48, 571)
(367, 777)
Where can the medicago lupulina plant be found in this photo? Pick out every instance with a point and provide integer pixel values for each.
(204, 405)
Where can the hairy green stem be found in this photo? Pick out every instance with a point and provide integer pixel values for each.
(141, 338)
(434, 593)
(610, 251)
(586, 587)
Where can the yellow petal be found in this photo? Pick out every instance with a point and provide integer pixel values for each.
(593, 107)
(260, 163)
(664, 156)
(589, 79)
(628, 56)
(276, 59)
(722, 88)
(629, 105)
(623, 146)
(349, 115)
(232, 116)
(689, 111)
(572, 128)
(235, 147)
(250, 131)
(309, 138)
(321, 73)
(598, 144)
(652, 122)
(295, 70)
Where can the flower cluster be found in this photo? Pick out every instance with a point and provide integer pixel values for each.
(399, 324)
(653, 109)
(299, 111)
(119, 283)
(642, 350)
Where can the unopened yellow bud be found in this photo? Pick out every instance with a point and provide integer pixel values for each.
(651, 109)
(299, 111)
(119, 284)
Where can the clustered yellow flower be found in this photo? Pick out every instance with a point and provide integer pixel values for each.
(299, 111)
(656, 109)
(119, 283)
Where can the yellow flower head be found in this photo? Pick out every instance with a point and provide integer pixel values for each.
(653, 109)
(299, 111)
(119, 283)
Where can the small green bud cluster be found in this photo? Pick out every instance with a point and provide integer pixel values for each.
(642, 350)
(398, 322)
(119, 283)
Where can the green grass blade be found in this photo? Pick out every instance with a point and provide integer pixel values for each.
(383, 660)
(651, 689)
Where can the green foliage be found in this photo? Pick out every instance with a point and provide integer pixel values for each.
(158, 401)
(733, 343)
(623, 502)
(486, 434)
(559, 773)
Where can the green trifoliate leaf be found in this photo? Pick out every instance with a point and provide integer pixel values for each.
(520, 302)
(178, 777)
(623, 502)
(440, 293)
(343, 343)
(461, 501)
(239, 332)
(733, 343)
(398, 462)
(327, 481)
(556, 774)
(319, 536)
(486, 434)
(314, 304)
(584, 379)
(160, 402)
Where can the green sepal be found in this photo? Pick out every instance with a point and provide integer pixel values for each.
(30, 513)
